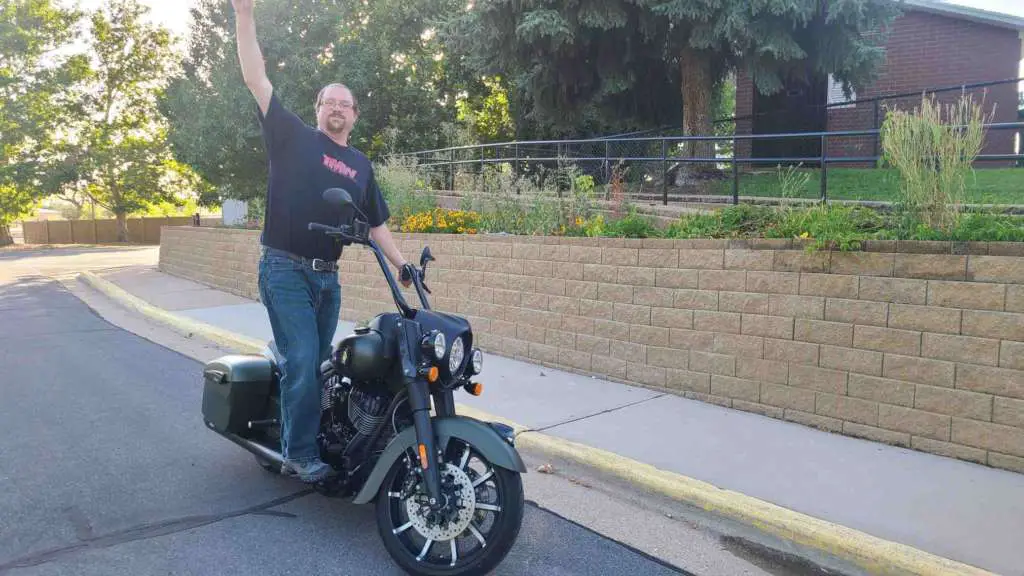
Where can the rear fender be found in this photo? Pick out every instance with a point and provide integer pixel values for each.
(493, 441)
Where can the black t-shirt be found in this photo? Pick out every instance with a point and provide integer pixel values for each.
(303, 163)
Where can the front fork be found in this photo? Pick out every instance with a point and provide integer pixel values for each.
(419, 403)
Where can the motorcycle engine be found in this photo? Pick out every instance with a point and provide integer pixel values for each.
(350, 415)
(366, 411)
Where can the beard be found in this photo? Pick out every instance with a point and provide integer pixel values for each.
(336, 124)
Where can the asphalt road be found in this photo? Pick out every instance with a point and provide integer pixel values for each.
(106, 468)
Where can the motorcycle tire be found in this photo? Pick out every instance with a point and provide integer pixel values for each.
(502, 534)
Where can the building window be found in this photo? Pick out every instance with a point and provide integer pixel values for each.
(836, 98)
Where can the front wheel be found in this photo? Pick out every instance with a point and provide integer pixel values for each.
(471, 534)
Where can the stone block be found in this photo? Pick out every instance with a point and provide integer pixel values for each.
(856, 312)
(954, 402)
(995, 325)
(999, 269)
(710, 363)
(931, 266)
(788, 397)
(773, 282)
(988, 380)
(960, 349)
(925, 318)
(948, 449)
(744, 302)
(749, 259)
(821, 332)
(881, 390)
(809, 307)
(818, 379)
(830, 285)
(736, 388)
(902, 342)
(916, 422)
(968, 295)
(989, 436)
(706, 321)
(791, 351)
(894, 290)
(778, 327)
(847, 408)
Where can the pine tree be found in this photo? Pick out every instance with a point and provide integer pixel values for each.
(621, 64)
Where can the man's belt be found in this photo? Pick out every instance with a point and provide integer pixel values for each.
(317, 264)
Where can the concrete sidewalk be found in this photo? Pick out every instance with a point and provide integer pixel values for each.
(951, 508)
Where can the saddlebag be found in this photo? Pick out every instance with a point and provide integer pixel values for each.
(235, 392)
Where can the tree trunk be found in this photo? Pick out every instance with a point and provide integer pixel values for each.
(697, 88)
(122, 227)
(5, 235)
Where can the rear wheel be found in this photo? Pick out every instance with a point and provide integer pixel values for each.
(475, 530)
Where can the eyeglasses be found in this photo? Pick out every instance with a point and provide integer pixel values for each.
(332, 103)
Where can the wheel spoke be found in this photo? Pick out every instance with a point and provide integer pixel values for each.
(483, 478)
(402, 528)
(426, 548)
(465, 459)
(455, 552)
(488, 507)
(479, 536)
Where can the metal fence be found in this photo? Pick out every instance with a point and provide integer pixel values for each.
(658, 166)
(662, 165)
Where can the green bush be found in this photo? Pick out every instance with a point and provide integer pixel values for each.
(403, 187)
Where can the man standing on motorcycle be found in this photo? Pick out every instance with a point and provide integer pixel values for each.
(298, 275)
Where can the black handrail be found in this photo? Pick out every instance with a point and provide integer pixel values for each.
(447, 157)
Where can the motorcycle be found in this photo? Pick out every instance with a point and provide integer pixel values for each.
(447, 489)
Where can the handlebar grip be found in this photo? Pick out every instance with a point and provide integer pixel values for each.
(317, 227)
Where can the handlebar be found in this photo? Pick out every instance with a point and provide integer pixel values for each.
(345, 232)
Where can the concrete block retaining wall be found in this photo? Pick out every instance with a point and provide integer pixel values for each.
(916, 344)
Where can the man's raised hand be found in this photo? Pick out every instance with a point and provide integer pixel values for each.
(249, 55)
(242, 6)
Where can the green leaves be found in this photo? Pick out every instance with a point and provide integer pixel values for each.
(617, 65)
(387, 51)
(32, 99)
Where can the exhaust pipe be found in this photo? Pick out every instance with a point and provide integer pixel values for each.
(272, 456)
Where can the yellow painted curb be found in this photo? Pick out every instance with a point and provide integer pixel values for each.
(180, 324)
(873, 554)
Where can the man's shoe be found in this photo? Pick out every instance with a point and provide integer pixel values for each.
(309, 471)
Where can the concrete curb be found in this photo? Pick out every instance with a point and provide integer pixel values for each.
(873, 554)
(182, 325)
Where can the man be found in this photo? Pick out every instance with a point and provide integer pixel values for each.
(298, 278)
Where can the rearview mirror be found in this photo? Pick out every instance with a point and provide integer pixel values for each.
(337, 197)
(425, 257)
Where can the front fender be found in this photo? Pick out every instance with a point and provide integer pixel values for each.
(492, 441)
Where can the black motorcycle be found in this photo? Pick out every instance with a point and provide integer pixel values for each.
(447, 488)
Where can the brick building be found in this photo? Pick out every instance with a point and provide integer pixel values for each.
(931, 45)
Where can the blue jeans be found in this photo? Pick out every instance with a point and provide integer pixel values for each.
(303, 307)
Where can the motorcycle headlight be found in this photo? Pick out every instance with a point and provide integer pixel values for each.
(439, 346)
(457, 354)
(478, 361)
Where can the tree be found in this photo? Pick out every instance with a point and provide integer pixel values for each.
(617, 62)
(117, 146)
(384, 50)
(33, 103)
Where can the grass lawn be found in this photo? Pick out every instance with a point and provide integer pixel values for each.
(985, 186)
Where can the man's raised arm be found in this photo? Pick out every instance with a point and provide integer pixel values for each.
(254, 70)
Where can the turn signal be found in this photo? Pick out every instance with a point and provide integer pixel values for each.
(475, 388)
(433, 374)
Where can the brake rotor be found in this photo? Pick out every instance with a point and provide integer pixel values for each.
(461, 498)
